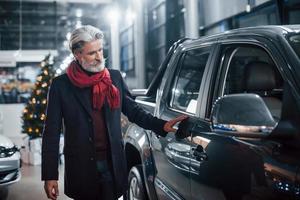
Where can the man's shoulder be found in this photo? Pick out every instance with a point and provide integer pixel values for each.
(114, 72)
(115, 75)
(61, 79)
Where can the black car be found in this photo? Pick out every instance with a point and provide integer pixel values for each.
(241, 90)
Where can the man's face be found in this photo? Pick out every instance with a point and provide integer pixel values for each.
(90, 56)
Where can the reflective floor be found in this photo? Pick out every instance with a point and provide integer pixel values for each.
(31, 187)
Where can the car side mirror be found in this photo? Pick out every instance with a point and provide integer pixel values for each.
(143, 95)
(242, 115)
(139, 92)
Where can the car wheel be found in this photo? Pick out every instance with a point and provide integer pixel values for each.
(136, 190)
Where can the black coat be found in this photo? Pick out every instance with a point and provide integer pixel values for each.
(70, 107)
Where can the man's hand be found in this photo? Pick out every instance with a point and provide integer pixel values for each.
(168, 127)
(51, 189)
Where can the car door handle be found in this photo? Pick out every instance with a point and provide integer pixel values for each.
(199, 153)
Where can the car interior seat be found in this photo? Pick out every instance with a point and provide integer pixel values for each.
(261, 78)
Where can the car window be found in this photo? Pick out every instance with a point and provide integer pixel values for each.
(187, 83)
(252, 70)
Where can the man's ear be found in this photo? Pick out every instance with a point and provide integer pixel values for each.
(77, 54)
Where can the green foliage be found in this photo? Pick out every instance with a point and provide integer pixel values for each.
(34, 113)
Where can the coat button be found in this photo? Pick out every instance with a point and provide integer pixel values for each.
(90, 139)
(91, 158)
(90, 120)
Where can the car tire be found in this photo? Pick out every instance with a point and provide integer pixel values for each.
(136, 187)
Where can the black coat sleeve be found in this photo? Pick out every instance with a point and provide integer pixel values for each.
(51, 134)
(136, 114)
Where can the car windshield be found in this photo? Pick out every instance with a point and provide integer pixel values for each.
(294, 41)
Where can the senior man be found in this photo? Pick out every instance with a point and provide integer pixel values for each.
(87, 101)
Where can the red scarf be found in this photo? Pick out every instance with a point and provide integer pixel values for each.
(101, 82)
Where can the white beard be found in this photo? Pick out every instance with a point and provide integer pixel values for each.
(93, 68)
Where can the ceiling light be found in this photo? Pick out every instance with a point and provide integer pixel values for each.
(130, 16)
(113, 15)
(78, 13)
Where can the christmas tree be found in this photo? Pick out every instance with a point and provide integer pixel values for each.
(34, 113)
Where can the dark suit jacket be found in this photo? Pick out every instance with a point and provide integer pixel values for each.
(70, 106)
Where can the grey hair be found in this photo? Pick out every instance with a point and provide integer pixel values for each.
(84, 34)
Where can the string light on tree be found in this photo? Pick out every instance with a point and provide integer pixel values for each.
(34, 113)
(39, 78)
(43, 116)
(44, 85)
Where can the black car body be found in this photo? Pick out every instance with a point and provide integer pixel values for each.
(241, 90)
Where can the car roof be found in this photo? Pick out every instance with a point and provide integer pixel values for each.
(267, 29)
(270, 31)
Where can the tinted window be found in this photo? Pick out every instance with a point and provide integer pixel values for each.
(187, 84)
(242, 58)
(252, 70)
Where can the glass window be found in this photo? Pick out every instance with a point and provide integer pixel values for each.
(156, 37)
(252, 70)
(157, 15)
(127, 51)
(17, 83)
(294, 17)
(187, 84)
(175, 21)
(242, 58)
(263, 16)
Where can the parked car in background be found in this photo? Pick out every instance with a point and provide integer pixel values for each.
(241, 91)
(9, 165)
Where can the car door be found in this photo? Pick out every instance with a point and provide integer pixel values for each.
(230, 167)
(180, 96)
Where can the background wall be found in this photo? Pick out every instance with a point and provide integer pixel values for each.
(216, 10)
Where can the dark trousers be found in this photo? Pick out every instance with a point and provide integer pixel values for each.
(105, 182)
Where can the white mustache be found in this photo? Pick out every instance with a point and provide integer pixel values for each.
(96, 63)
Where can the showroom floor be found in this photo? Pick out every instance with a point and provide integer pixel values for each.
(31, 187)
